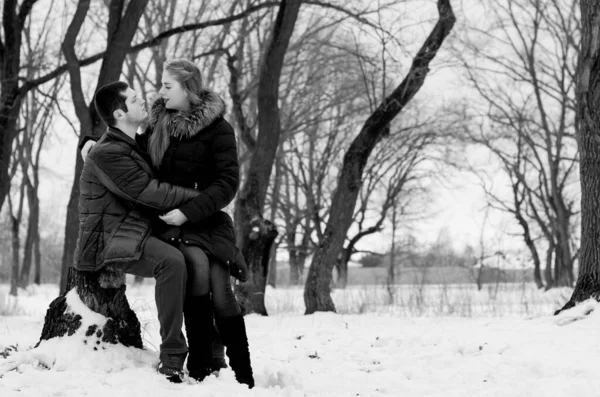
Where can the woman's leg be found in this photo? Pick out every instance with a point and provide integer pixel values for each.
(198, 268)
(218, 353)
(230, 323)
(197, 311)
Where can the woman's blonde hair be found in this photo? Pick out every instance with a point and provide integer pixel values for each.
(190, 78)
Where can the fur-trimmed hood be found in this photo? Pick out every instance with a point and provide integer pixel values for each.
(186, 124)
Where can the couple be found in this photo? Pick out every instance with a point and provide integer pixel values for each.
(150, 205)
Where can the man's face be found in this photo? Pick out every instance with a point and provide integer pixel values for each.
(136, 106)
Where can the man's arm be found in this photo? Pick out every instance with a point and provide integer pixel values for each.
(125, 177)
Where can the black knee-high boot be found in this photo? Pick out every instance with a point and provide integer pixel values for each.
(198, 317)
(233, 334)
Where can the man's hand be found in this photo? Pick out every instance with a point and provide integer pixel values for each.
(174, 218)
(86, 148)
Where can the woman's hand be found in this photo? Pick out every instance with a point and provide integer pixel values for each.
(174, 218)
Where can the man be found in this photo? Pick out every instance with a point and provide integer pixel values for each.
(118, 196)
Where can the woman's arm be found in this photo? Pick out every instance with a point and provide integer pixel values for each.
(222, 191)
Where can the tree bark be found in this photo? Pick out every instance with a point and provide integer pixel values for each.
(104, 293)
(341, 266)
(251, 200)
(588, 127)
(251, 294)
(27, 256)
(14, 277)
(272, 278)
(548, 277)
(295, 273)
(317, 292)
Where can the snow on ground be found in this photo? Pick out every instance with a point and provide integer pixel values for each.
(426, 350)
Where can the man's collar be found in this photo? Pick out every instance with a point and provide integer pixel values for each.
(120, 135)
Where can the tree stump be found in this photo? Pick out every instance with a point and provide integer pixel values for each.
(104, 293)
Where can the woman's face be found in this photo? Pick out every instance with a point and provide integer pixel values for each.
(173, 93)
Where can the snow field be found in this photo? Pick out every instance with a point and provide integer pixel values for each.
(383, 352)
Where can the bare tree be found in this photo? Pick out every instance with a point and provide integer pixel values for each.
(530, 120)
(13, 23)
(393, 175)
(16, 216)
(588, 125)
(317, 293)
(258, 233)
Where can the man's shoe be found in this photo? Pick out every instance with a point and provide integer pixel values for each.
(171, 366)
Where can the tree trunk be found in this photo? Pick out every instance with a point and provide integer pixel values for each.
(13, 21)
(104, 293)
(71, 228)
(295, 273)
(14, 277)
(251, 200)
(391, 271)
(303, 250)
(29, 240)
(37, 257)
(537, 274)
(251, 294)
(588, 127)
(317, 292)
(272, 278)
(8, 130)
(563, 275)
(548, 269)
(342, 268)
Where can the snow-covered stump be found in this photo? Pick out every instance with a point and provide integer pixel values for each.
(104, 293)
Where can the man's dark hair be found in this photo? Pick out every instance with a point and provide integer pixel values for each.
(109, 98)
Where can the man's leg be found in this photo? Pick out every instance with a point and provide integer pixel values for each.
(167, 265)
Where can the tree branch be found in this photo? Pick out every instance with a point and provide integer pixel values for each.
(68, 48)
(24, 12)
(29, 85)
(419, 69)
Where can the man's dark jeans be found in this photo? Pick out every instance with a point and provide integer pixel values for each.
(166, 264)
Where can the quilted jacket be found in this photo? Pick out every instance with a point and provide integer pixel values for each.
(119, 196)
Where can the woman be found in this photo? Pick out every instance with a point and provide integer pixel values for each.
(192, 145)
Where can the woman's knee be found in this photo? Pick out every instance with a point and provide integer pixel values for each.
(198, 270)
